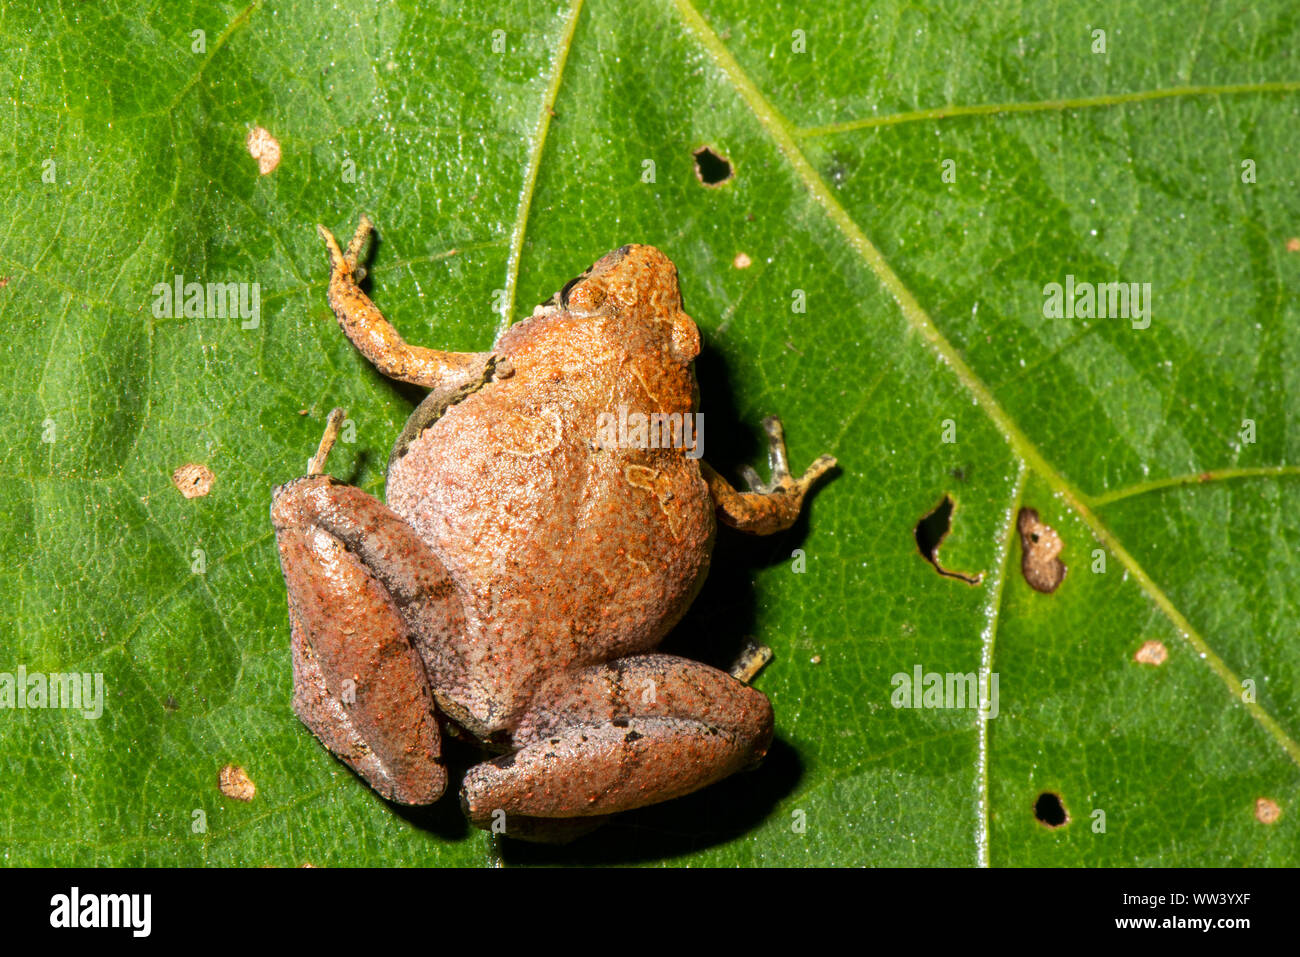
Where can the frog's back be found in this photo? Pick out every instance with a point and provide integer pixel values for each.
(569, 547)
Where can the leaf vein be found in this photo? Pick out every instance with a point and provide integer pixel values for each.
(1042, 106)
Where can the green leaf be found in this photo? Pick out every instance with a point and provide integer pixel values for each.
(494, 175)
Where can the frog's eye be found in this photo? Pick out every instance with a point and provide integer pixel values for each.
(568, 286)
(560, 300)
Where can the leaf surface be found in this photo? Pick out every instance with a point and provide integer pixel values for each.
(878, 308)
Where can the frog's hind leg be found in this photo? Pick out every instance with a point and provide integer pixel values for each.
(362, 590)
(376, 338)
(325, 715)
(617, 736)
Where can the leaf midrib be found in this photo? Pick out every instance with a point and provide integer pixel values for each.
(529, 186)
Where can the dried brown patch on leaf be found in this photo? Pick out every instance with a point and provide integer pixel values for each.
(234, 782)
(264, 148)
(193, 480)
(1040, 550)
(1151, 653)
(1293, 244)
(1267, 811)
(742, 261)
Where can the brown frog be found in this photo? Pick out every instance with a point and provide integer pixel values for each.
(525, 567)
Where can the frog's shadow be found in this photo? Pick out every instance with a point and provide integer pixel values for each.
(711, 816)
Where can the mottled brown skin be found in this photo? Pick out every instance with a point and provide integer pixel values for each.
(521, 574)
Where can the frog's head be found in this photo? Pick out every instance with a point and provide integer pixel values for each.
(637, 284)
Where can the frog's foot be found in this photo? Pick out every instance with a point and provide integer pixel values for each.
(361, 585)
(751, 661)
(618, 736)
(333, 423)
(771, 506)
(375, 337)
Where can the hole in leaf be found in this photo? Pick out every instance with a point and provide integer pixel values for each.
(933, 528)
(1050, 811)
(712, 169)
(930, 532)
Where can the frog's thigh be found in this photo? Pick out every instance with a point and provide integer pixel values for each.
(622, 735)
(359, 685)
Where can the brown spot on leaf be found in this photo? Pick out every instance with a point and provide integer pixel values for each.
(1267, 811)
(742, 261)
(1293, 244)
(235, 783)
(1040, 547)
(193, 480)
(4, 281)
(1151, 653)
(711, 167)
(264, 148)
(930, 532)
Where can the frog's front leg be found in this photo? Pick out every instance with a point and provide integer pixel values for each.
(768, 506)
(362, 588)
(621, 735)
(378, 341)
